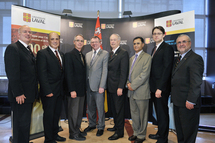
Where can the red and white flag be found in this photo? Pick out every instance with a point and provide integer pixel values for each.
(98, 31)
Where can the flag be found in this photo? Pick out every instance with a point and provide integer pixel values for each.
(98, 33)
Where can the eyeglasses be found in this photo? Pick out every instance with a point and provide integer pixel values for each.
(79, 41)
(157, 34)
(183, 42)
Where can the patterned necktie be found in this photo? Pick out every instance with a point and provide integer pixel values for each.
(30, 51)
(177, 62)
(94, 55)
(132, 66)
(111, 54)
(58, 58)
(82, 59)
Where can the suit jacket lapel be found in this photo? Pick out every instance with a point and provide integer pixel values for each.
(138, 59)
(24, 49)
(115, 55)
(182, 61)
(77, 55)
(159, 48)
(54, 56)
(97, 56)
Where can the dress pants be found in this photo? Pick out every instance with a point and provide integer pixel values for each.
(21, 122)
(51, 116)
(162, 113)
(186, 123)
(139, 114)
(118, 110)
(95, 100)
(75, 114)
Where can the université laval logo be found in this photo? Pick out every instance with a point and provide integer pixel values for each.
(27, 17)
(168, 23)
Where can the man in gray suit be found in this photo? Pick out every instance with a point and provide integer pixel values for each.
(139, 91)
(97, 64)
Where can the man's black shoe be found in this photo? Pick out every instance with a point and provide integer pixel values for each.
(111, 129)
(83, 133)
(89, 129)
(79, 137)
(60, 139)
(154, 136)
(132, 138)
(139, 140)
(99, 132)
(115, 137)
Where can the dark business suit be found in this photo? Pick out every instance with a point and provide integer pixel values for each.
(160, 78)
(51, 77)
(75, 71)
(20, 67)
(118, 66)
(186, 86)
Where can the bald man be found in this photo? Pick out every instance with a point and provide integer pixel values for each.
(50, 67)
(20, 69)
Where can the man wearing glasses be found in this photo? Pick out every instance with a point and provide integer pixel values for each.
(75, 72)
(186, 90)
(97, 68)
(160, 77)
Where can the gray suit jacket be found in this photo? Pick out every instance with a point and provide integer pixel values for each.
(97, 71)
(140, 76)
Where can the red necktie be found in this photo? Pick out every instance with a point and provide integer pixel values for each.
(58, 58)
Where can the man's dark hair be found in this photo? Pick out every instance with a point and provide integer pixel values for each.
(160, 28)
(142, 40)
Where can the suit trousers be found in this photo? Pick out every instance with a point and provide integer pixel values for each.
(162, 113)
(118, 110)
(75, 114)
(95, 100)
(21, 122)
(186, 123)
(51, 116)
(139, 114)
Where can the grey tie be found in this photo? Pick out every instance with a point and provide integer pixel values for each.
(94, 55)
(132, 66)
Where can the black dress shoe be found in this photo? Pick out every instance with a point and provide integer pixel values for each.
(83, 133)
(79, 137)
(99, 132)
(154, 136)
(60, 139)
(111, 129)
(115, 137)
(89, 129)
(132, 138)
(139, 140)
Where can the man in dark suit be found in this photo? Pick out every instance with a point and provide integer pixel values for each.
(186, 90)
(50, 67)
(75, 71)
(139, 91)
(160, 77)
(118, 65)
(20, 67)
(97, 68)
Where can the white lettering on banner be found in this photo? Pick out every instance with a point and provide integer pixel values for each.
(80, 25)
(123, 42)
(110, 26)
(140, 24)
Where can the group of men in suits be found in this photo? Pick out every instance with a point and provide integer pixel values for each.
(143, 75)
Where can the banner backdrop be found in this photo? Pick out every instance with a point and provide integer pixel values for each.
(41, 25)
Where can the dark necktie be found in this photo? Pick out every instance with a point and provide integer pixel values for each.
(58, 59)
(177, 62)
(94, 55)
(30, 51)
(155, 49)
(111, 54)
(82, 59)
